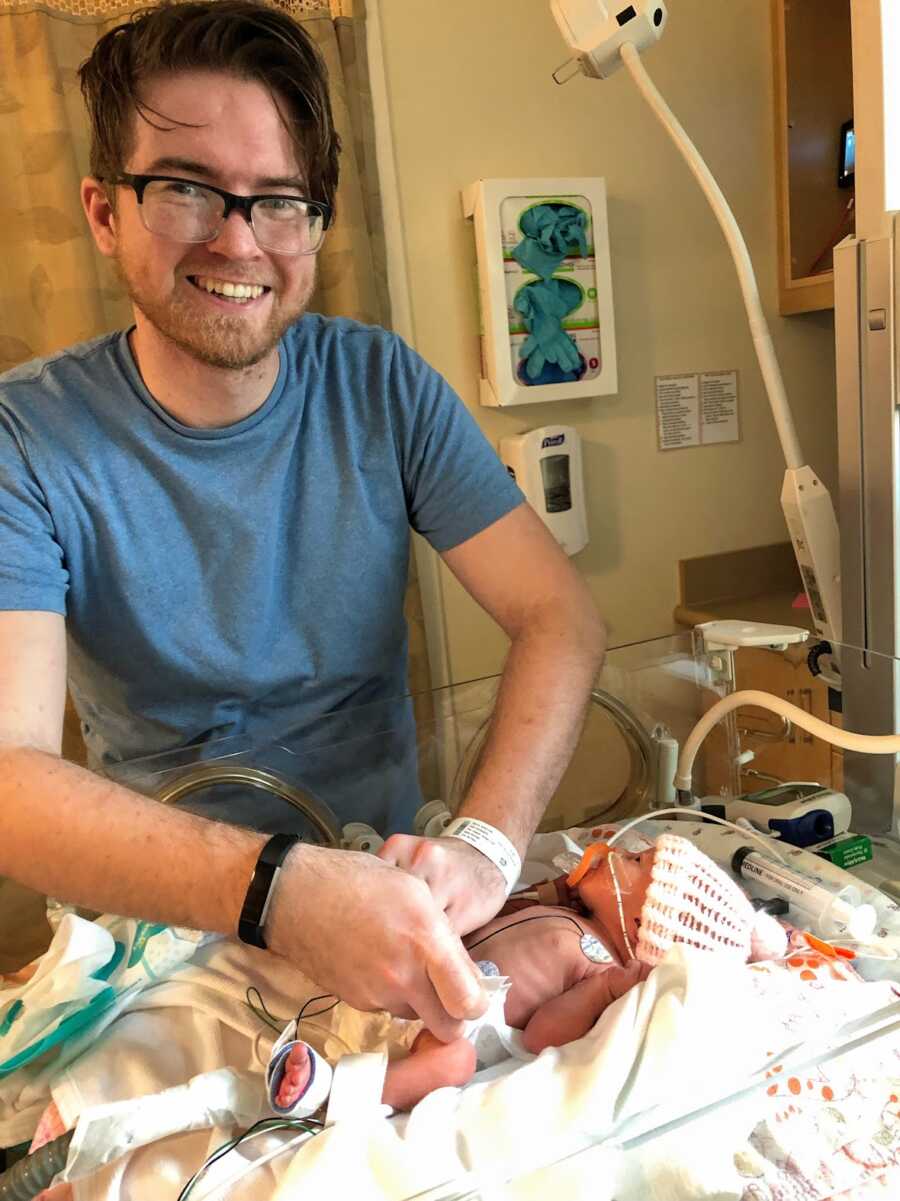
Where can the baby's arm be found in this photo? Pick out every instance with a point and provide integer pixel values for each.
(572, 1014)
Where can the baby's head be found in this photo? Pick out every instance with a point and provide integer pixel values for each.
(671, 894)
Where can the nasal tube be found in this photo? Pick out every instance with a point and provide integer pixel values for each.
(829, 913)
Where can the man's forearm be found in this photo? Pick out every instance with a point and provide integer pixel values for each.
(73, 835)
(544, 691)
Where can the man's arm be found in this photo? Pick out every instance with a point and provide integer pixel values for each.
(518, 574)
(357, 926)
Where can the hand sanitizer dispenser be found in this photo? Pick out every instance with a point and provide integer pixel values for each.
(546, 464)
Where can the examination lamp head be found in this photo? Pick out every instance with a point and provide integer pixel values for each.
(595, 31)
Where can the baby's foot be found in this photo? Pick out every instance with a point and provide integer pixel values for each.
(296, 1076)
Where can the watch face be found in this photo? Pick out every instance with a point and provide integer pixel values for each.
(256, 902)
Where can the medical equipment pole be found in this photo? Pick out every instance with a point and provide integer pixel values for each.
(805, 501)
(603, 38)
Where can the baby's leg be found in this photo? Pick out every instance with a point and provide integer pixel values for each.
(430, 1064)
(572, 1014)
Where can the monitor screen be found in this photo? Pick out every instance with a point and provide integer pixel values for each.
(847, 160)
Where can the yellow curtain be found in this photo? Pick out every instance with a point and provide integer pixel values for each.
(56, 290)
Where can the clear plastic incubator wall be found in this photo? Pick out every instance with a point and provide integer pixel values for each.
(756, 1081)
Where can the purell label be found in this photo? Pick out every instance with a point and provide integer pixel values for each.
(556, 440)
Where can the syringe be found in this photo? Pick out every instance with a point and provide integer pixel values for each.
(830, 913)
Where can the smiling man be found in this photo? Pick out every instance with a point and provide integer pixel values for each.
(204, 523)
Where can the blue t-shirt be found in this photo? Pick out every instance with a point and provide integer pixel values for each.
(244, 580)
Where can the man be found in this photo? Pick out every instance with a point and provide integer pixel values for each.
(213, 509)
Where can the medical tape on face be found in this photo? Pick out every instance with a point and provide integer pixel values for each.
(318, 1087)
(492, 843)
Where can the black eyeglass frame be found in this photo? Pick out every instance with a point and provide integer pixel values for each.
(243, 204)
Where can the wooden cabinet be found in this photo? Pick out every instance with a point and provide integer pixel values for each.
(813, 85)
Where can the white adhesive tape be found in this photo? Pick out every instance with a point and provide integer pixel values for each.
(356, 1087)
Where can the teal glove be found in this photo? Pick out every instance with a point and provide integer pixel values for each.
(551, 232)
(543, 307)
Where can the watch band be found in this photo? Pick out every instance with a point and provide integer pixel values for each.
(259, 891)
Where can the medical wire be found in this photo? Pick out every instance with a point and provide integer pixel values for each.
(538, 917)
(312, 1000)
(276, 1024)
(256, 1164)
(700, 816)
(309, 1126)
(262, 1012)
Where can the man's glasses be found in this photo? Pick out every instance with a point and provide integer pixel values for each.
(186, 211)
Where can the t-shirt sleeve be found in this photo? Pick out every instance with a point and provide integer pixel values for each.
(455, 484)
(32, 572)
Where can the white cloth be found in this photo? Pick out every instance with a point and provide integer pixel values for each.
(104, 1133)
(92, 972)
(492, 1037)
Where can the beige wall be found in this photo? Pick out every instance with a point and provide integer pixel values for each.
(471, 96)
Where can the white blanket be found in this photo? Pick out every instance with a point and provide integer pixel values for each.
(696, 1029)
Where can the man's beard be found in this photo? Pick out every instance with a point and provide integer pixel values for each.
(216, 339)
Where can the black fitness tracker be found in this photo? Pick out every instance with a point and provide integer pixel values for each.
(259, 892)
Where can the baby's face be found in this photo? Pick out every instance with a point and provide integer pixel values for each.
(633, 873)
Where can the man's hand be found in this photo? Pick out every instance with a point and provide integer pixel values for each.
(464, 883)
(373, 936)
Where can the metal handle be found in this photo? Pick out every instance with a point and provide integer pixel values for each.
(214, 774)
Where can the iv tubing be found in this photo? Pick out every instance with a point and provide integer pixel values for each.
(759, 328)
(872, 744)
(685, 811)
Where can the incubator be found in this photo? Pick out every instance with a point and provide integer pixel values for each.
(602, 1108)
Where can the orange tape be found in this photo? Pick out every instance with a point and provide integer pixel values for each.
(827, 949)
(595, 852)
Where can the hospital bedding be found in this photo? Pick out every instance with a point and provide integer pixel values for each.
(693, 1033)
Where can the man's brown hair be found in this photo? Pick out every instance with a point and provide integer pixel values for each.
(245, 38)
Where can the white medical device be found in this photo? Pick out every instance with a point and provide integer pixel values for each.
(597, 30)
(814, 812)
(546, 464)
(602, 35)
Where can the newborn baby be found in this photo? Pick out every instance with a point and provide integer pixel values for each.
(619, 914)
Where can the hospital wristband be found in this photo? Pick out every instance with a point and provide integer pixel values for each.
(492, 843)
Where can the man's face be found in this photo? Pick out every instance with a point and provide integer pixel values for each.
(234, 138)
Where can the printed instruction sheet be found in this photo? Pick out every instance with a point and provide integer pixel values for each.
(697, 410)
